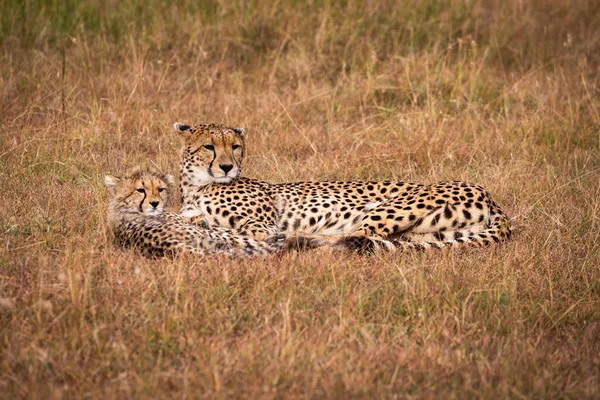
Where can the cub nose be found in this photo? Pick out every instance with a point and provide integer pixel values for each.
(226, 167)
(154, 204)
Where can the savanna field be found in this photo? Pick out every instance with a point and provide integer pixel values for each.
(505, 94)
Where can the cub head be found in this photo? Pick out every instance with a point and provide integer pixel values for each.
(212, 154)
(139, 191)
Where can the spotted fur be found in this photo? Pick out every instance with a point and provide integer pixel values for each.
(388, 214)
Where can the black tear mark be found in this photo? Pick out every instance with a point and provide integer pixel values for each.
(144, 199)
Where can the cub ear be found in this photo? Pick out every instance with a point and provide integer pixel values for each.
(169, 179)
(111, 181)
(240, 131)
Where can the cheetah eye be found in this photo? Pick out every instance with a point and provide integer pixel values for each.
(209, 147)
(160, 190)
(141, 190)
(235, 146)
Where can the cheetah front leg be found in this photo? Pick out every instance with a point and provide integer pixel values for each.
(262, 231)
(258, 230)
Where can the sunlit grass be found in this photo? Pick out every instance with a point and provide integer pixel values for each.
(492, 92)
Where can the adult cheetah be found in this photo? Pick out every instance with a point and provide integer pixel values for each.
(137, 218)
(360, 215)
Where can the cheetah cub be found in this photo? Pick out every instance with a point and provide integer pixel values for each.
(137, 218)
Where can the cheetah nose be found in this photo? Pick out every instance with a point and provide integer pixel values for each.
(226, 167)
(154, 204)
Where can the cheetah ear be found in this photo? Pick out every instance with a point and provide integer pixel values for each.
(111, 181)
(184, 130)
(170, 179)
(240, 131)
(178, 126)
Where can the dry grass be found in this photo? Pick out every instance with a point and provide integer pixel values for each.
(493, 92)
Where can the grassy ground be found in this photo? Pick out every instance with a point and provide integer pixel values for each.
(505, 94)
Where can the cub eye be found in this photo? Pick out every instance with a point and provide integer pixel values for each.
(160, 190)
(141, 190)
(236, 146)
(209, 147)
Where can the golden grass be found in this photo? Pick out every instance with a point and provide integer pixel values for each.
(486, 91)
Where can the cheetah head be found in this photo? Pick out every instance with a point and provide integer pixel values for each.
(212, 154)
(139, 191)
